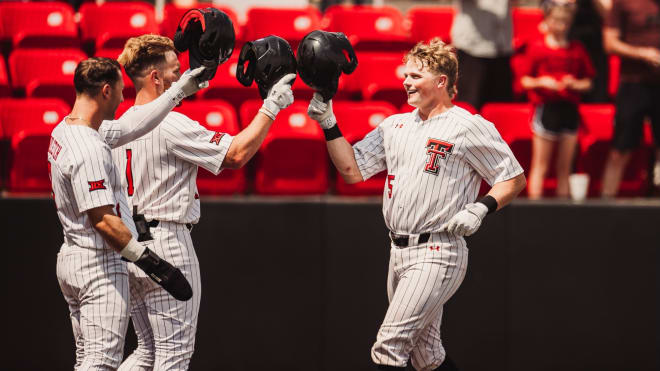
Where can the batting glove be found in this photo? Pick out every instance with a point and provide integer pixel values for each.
(466, 221)
(321, 112)
(279, 97)
(165, 274)
(188, 84)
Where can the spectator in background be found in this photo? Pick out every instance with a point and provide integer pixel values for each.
(482, 33)
(588, 29)
(632, 31)
(558, 72)
(327, 3)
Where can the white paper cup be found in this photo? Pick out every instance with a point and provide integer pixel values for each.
(578, 185)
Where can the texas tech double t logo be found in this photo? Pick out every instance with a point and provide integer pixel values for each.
(436, 150)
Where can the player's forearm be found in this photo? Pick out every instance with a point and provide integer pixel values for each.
(343, 157)
(113, 231)
(136, 123)
(246, 143)
(505, 192)
(582, 85)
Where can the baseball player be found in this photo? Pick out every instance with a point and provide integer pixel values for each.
(435, 159)
(159, 174)
(94, 214)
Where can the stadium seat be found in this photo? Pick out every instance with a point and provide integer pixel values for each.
(109, 25)
(46, 72)
(598, 127)
(173, 15)
(356, 119)
(465, 105)
(429, 22)
(290, 24)
(367, 27)
(29, 122)
(293, 157)
(225, 86)
(526, 22)
(219, 116)
(613, 79)
(129, 88)
(380, 76)
(39, 25)
(5, 88)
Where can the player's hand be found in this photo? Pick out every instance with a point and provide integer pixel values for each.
(279, 97)
(466, 221)
(651, 56)
(321, 112)
(165, 274)
(188, 84)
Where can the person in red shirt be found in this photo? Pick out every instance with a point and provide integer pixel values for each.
(557, 72)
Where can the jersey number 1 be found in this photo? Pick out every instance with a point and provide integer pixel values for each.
(129, 172)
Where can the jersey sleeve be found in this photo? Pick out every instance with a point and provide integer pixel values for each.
(370, 153)
(91, 166)
(191, 142)
(488, 154)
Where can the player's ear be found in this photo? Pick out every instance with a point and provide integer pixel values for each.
(155, 77)
(106, 91)
(442, 81)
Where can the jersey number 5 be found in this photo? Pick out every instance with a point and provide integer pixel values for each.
(129, 172)
(390, 178)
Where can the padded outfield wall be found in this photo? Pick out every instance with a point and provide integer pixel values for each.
(291, 284)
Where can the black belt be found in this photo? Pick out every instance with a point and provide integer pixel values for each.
(154, 223)
(404, 240)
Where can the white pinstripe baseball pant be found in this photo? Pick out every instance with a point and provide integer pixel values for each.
(421, 279)
(95, 286)
(165, 327)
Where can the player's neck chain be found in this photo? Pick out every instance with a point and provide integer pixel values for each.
(78, 118)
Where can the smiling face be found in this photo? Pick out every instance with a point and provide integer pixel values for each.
(424, 87)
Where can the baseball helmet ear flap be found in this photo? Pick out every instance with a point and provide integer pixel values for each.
(268, 60)
(190, 26)
(347, 65)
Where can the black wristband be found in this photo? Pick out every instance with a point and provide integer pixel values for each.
(332, 133)
(490, 202)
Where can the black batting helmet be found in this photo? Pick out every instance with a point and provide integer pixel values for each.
(268, 60)
(322, 57)
(209, 35)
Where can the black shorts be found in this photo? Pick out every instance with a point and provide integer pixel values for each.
(635, 102)
(552, 119)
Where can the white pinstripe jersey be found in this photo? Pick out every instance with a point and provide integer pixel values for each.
(160, 169)
(83, 177)
(434, 167)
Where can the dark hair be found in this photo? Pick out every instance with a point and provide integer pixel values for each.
(92, 73)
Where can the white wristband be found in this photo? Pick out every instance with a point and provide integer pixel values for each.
(133, 250)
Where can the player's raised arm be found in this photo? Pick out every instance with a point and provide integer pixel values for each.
(135, 123)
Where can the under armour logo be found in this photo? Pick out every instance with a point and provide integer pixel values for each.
(96, 185)
(216, 137)
(436, 150)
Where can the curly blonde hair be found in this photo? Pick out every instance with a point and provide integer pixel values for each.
(439, 58)
(143, 53)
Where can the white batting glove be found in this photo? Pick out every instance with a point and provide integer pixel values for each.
(188, 84)
(321, 112)
(279, 97)
(466, 221)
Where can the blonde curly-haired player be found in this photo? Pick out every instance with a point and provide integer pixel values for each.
(435, 159)
(159, 174)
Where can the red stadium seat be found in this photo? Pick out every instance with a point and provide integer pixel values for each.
(293, 157)
(367, 27)
(225, 86)
(598, 126)
(46, 72)
(5, 88)
(613, 79)
(380, 76)
(289, 24)
(29, 123)
(429, 22)
(129, 88)
(526, 25)
(173, 15)
(356, 119)
(109, 25)
(39, 24)
(219, 116)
